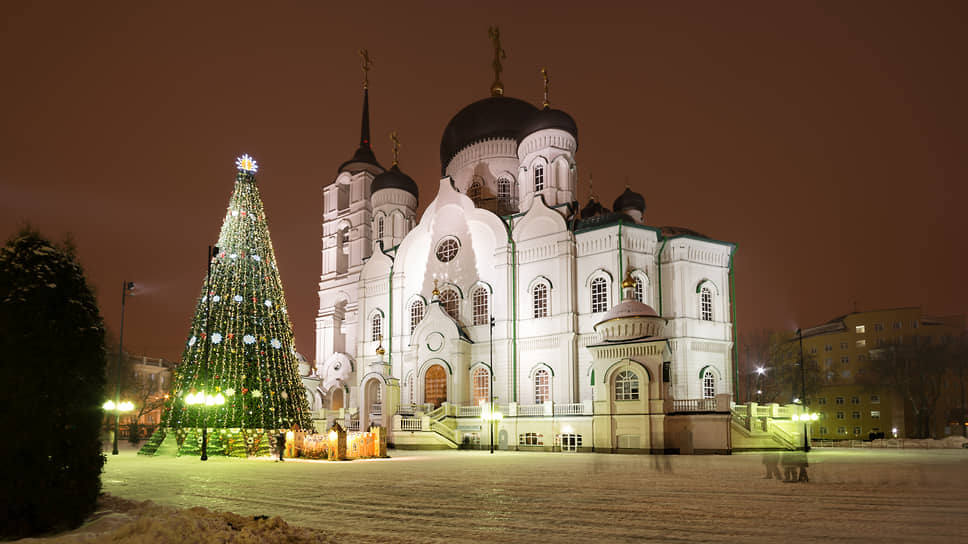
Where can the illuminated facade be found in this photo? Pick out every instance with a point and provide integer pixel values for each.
(403, 335)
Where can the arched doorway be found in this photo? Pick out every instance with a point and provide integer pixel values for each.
(435, 386)
(372, 404)
(336, 398)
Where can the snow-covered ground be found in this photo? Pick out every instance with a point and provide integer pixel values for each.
(883, 495)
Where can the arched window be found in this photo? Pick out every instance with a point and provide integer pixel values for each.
(481, 309)
(504, 191)
(706, 304)
(450, 302)
(344, 238)
(639, 292)
(475, 190)
(542, 386)
(539, 300)
(599, 295)
(626, 386)
(380, 227)
(538, 177)
(481, 383)
(376, 327)
(708, 385)
(416, 314)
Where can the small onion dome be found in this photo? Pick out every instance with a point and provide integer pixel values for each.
(493, 117)
(592, 209)
(394, 179)
(630, 320)
(549, 118)
(629, 200)
(671, 232)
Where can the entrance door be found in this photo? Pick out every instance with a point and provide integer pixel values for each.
(435, 386)
(336, 398)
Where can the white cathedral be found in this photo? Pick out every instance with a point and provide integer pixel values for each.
(508, 313)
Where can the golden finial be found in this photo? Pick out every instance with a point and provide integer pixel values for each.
(379, 348)
(497, 88)
(544, 74)
(628, 282)
(367, 61)
(396, 147)
(435, 292)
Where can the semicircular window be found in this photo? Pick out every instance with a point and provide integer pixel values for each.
(447, 249)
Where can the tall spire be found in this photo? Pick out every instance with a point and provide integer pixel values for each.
(365, 125)
(364, 159)
(365, 129)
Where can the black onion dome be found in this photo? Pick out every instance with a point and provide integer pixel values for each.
(592, 209)
(548, 118)
(493, 117)
(364, 154)
(394, 179)
(629, 200)
(671, 232)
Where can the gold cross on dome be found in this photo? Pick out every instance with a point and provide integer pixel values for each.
(396, 146)
(544, 74)
(367, 61)
(497, 88)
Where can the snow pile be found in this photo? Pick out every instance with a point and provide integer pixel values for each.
(121, 520)
(923, 443)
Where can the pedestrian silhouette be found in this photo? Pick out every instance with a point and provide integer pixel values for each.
(790, 465)
(281, 444)
(771, 460)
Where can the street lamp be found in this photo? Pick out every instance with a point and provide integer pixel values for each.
(204, 401)
(806, 418)
(490, 386)
(491, 417)
(803, 389)
(126, 287)
(117, 408)
(200, 398)
(760, 371)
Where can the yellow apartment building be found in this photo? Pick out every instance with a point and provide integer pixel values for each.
(852, 404)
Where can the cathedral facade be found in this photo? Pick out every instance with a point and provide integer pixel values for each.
(505, 299)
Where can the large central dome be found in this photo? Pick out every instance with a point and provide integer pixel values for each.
(493, 117)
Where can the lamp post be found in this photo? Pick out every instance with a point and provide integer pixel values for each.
(803, 390)
(212, 252)
(490, 387)
(126, 287)
(491, 417)
(760, 371)
(204, 401)
(117, 408)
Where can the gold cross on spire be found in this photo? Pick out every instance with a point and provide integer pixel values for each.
(367, 61)
(396, 147)
(497, 88)
(544, 74)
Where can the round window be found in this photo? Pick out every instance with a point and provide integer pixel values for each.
(447, 249)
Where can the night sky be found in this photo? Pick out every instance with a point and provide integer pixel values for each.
(828, 141)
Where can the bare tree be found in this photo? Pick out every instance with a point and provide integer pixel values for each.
(916, 372)
(778, 356)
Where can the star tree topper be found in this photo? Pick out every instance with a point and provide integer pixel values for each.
(247, 164)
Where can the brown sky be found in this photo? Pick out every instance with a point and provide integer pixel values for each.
(827, 140)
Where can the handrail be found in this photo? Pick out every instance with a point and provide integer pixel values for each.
(443, 430)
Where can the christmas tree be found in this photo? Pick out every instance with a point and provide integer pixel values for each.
(239, 368)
